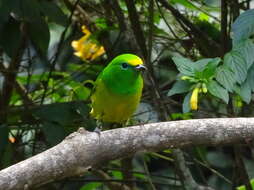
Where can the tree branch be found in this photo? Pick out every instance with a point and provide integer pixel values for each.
(203, 41)
(82, 150)
(10, 75)
(136, 27)
(224, 27)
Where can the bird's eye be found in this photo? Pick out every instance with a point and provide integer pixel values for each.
(124, 65)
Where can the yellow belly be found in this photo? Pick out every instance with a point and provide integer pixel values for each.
(114, 108)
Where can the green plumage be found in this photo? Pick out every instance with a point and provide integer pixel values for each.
(118, 89)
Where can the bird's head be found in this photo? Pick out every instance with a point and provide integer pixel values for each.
(124, 71)
(127, 63)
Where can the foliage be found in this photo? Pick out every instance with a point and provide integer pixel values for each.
(193, 61)
(220, 79)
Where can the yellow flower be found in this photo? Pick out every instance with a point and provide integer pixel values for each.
(237, 101)
(194, 99)
(85, 48)
(204, 88)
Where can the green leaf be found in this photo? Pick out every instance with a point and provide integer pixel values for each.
(91, 186)
(117, 174)
(250, 77)
(179, 87)
(201, 64)
(245, 92)
(81, 92)
(28, 10)
(185, 66)
(189, 68)
(235, 61)
(243, 27)
(209, 69)
(186, 103)
(225, 77)
(181, 116)
(39, 33)
(55, 14)
(140, 176)
(8, 155)
(200, 153)
(101, 23)
(246, 49)
(54, 133)
(242, 187)
(218, 91)
(61, 113)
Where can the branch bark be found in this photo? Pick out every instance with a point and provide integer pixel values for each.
(83, 150)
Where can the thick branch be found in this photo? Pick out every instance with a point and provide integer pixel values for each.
(83, 150)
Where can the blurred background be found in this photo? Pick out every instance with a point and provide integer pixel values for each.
(199, 56)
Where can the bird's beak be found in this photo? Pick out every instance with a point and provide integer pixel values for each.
(140, 67)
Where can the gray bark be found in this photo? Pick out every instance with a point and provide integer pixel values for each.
(82, 150)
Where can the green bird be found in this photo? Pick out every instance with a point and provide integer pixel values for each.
(118, 89)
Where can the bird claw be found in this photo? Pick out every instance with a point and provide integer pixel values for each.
(98, 130)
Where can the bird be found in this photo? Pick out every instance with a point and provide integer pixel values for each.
(117, 90)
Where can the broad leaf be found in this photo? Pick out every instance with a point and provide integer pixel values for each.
(242, 187)
(225, 77)
(243, 27)
(55, 14)
(235, 61)
(62, 113)
(246, 49)
(201, 64)
(54, 132)
(39, 33)
(218, 91)
(8, 155)
(245, 92)
(185, 66)
(10, 37)
(250, 77)
(91, 186)
(209, 69)
(28, 10)
(179, 87)
(186, 103)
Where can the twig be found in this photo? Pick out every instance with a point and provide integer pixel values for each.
(242, 172)
(119, 14)
(148, 175)
(54, 60)
(10, 75)
(113, 185)
(204, 42)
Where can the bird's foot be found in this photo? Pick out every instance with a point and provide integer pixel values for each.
(98, 130)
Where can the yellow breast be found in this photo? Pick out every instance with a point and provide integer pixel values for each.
(110, 107)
